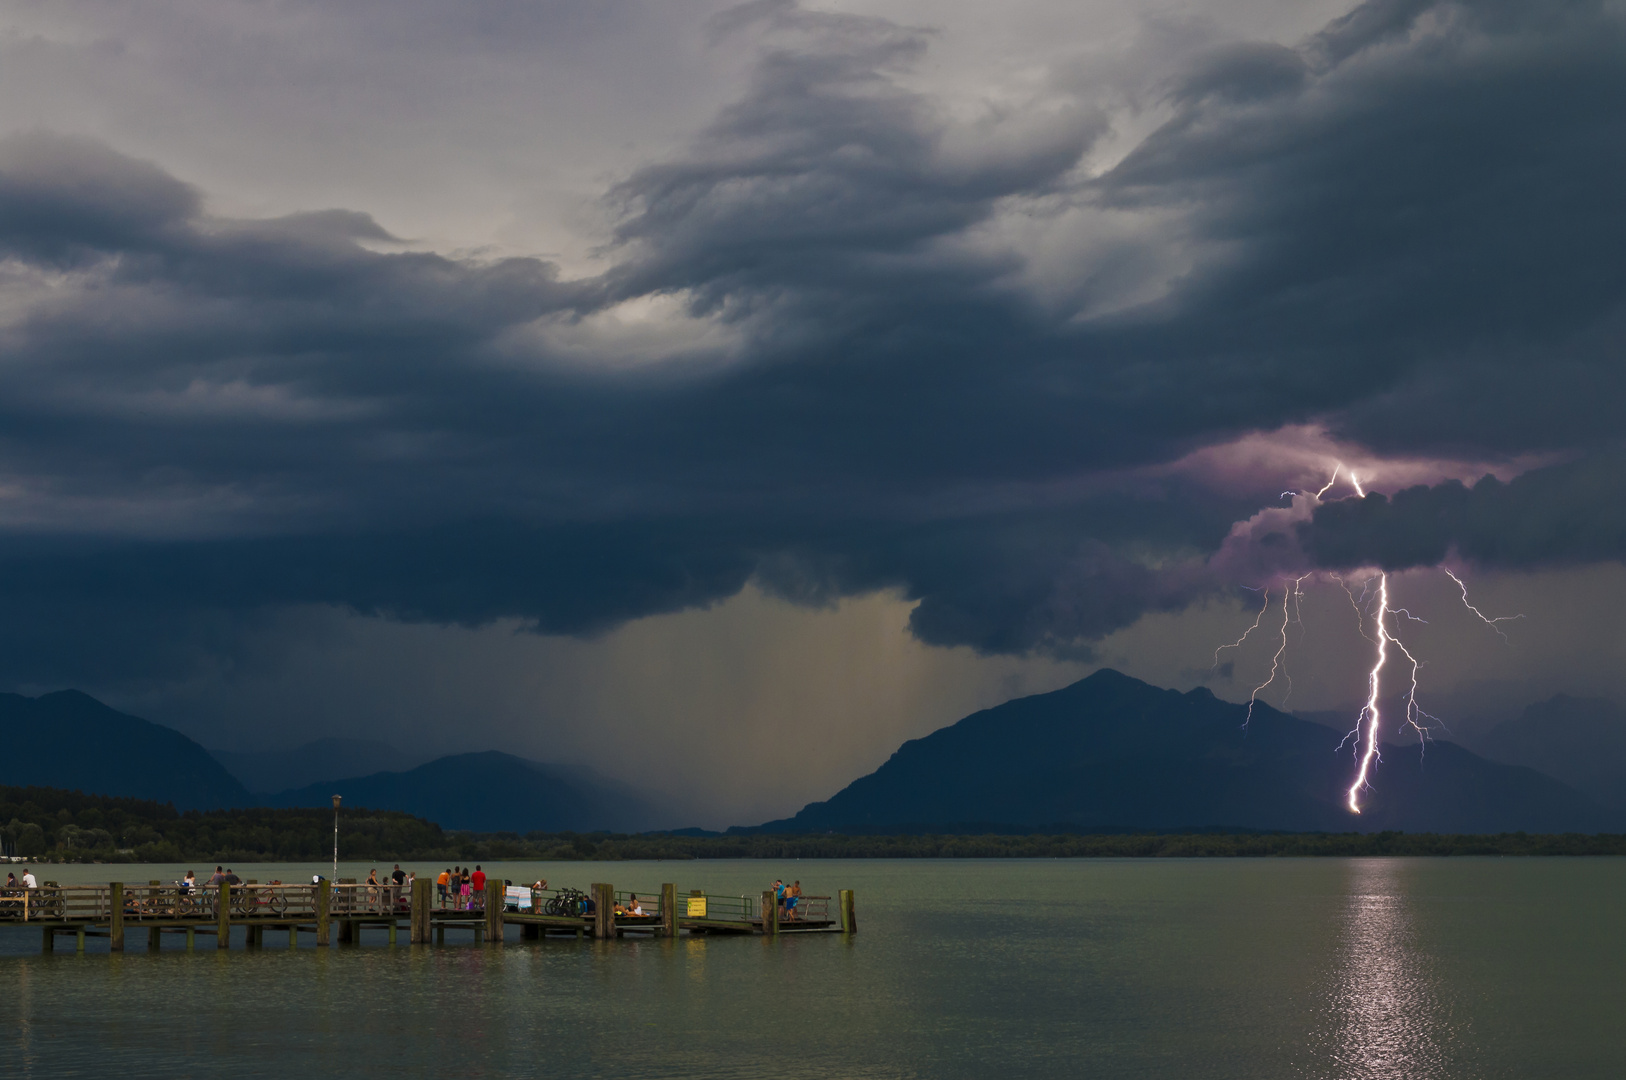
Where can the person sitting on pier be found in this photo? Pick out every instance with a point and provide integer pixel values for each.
(188, 883)
(231, 877)
(216, 878)
(29, 881)
(634, 907)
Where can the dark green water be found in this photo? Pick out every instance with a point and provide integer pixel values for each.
(1178, 969)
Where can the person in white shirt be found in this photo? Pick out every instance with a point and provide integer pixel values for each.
(29, 881)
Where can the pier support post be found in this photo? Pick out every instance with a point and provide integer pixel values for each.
(191, 937)
(48, 944)
(115, 924)
(669, 911)
(770, 912)
(440, 933)
(324, 904)
(603, 911)
(293, 936)
(494, 910)
(849, 924)
(347, 931)
(419, 934)
(154, 935)
(223, 917)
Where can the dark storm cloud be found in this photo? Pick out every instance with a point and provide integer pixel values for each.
(1565, 514)
(1407, 228)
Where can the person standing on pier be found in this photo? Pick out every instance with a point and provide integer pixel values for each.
(477, 884)
(441, 882)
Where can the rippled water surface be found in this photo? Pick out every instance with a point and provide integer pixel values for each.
(1147, 968)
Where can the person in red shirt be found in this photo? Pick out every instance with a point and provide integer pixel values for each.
(478, 881)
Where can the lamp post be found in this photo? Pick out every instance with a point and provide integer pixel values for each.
(335, 877)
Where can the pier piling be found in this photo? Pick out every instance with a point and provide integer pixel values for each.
(669, 910)
(603, 911)
(115, 931)
(223, 917)
(849, 924)
(494, 910)
(770, 912)
(420, 911)
(324, 905)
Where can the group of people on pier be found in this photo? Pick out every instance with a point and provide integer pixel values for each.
(464, 888)
(787, 896)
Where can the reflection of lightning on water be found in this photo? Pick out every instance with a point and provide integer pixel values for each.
(1364, 736)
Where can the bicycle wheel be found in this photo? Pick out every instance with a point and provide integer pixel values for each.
(276, 903)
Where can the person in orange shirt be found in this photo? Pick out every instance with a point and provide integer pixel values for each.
(441, 882)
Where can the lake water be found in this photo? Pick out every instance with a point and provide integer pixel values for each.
(1180, 969)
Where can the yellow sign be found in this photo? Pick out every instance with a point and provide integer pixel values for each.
(697, 907)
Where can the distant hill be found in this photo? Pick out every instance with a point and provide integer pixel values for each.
(491, 792)
(1581, 741)
(1111, 752)
(266, 771)
(71, 740)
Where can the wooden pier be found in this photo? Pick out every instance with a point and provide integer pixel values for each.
(338, 912)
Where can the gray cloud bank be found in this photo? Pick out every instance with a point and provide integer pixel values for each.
(1407, 228)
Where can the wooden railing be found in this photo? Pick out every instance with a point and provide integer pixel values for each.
(151, 903)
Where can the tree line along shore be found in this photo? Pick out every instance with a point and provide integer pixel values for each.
(53, 825)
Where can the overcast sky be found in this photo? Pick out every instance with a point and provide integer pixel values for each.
(719, 395)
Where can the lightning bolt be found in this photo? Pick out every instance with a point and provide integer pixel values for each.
(1371, 605)
(1279, 661)
(1488, 622)
(1237, 644)
(1370, 715)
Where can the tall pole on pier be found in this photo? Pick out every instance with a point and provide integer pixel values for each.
(335, 876)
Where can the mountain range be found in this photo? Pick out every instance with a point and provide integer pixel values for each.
(1107, 753)
(71, 740)
(265, 771)
(492, 792)
(1111, 752)
(1581, 741)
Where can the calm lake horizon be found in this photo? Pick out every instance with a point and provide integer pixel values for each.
(1179, 968)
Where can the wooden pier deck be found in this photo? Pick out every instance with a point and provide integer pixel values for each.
(338, 912)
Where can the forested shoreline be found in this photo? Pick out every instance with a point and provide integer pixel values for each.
(53, 825)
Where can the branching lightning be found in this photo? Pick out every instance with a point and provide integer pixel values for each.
(1488, 622)
(1370, 715)
(1371, 604)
